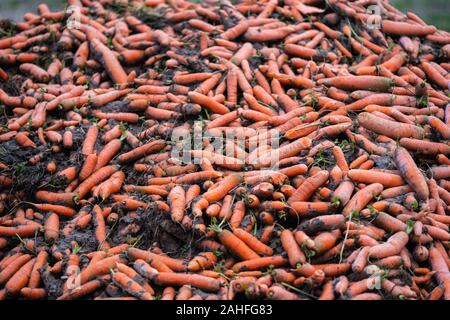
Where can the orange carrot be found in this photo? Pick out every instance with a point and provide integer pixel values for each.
(52, 227)
(388, 180)
(260, 263)
(362, 198)
(228, 183)
(98, 268)
(177, 202)
(94, 179)
(208, 103)
(131, 286)
(110, 62)
(253, 243)
(236, 31)
(20, 279)
(10, 270)
(425, 147)
(89, 141)
(442, 274)
(308, 187)
(392, 247)
(178, 279)
(389, 128)
(83, 290)
(141, 151)
(295, 254)
(411, 173)
(107, 153)
(33, 293)
(236, 246)
(88, 167)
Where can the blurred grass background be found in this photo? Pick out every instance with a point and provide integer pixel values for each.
(436, 12)
(14, 9)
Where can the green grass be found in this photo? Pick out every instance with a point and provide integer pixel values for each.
(14, 9)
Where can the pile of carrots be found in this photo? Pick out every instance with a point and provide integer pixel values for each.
(94, 204)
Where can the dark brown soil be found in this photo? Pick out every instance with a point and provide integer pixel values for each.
(12, 86)
(155, 227)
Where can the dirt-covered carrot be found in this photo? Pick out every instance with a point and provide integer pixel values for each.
(177, 201)
(20, 278)
(208, 103)
(389, 128)
(260, 263)
(235, 31)
(388, 180)
(425, 147)
(35, 276)
(22, 230)
(202, 261)
(236, 246)
(23, 140)
(178, 279)
(33, 293)
(62, 198)
(89, 141)
(88, 166)
(295, 254)
(174, 264)
(391, 247)
(434, 75)
(108, 59)
(404, 28)
(141, 151)
(107, 153)
(131, 286)
(13, 267)
(94, 179)
(308, 187)
(52, 227)
(253, 243)
(83, 290)
(362, 198)
(101, 267)
(353, 83)
(309, 209)
(228, 183)
(411, 172)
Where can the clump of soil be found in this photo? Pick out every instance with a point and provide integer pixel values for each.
(52, 285)
(153, 18)
(155, 227)
(13, 85)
